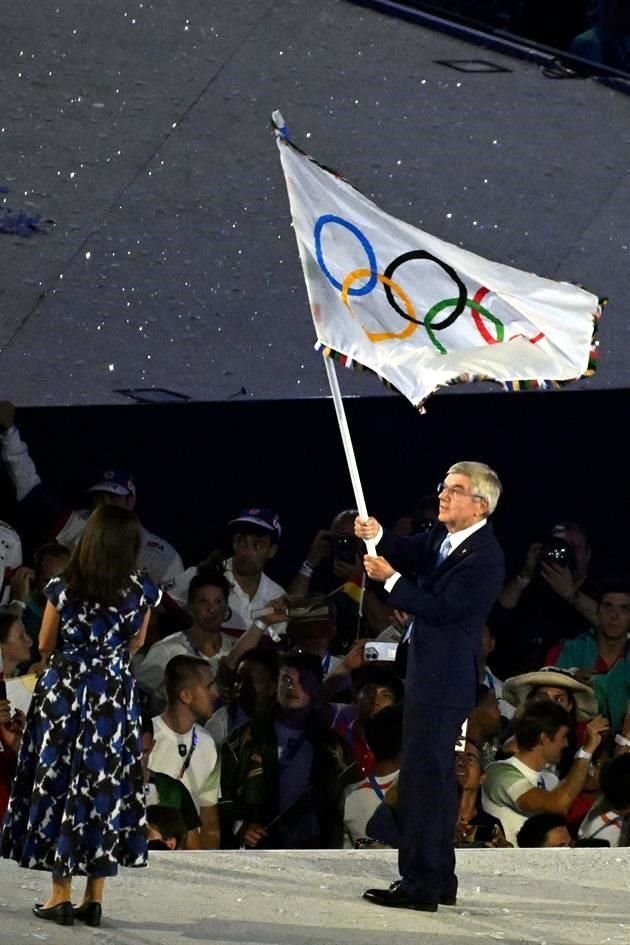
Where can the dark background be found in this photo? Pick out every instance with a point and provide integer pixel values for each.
(561, 455)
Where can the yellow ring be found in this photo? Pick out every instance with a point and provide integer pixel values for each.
(384, 280)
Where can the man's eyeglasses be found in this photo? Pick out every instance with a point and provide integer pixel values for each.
(456, 492)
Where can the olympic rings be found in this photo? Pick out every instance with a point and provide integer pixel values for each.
(389, 285)
(392, 289)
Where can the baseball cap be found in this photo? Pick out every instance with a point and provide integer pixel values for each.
(261, 518)
(115, 480)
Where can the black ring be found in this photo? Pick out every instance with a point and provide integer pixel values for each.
(421, 254)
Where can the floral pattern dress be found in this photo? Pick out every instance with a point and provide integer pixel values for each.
(77, 803)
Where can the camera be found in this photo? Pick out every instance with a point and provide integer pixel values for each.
(383, 652)
(556, 550)
(344, 548)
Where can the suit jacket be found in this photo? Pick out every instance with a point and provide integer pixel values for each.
(450, 603)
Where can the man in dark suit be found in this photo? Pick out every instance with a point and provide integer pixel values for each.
(457, 571)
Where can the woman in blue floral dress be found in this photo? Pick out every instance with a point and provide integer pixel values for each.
(77, 803)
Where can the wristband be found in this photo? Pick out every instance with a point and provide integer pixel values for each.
(583, 755)
(622, 740)
(522, 581)
(572, 597)
(17, 603)
(260, 625)
(306, 569)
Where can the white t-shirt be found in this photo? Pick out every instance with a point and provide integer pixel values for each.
(601, 823)
(505, 782)
(172, 750)
(361, 801)
(240, 604)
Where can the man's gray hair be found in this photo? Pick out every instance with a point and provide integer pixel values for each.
(484, 482)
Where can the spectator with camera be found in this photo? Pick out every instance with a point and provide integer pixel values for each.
(247, 691)
(543, 602)
(601, 656)
(283, 774)
(523, 785)
(474, 826)
(333, 564)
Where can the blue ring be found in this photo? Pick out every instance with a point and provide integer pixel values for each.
(365, 243)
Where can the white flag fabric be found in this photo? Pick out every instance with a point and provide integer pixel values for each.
(418, 311)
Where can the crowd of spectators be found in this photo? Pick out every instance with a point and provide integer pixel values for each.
(265, 725)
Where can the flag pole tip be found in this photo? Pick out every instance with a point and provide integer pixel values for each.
(279, 123)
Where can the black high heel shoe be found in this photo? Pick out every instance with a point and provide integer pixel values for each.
(89, 912)
(62, 913)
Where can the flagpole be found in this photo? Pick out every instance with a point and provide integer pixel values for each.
(348, 447)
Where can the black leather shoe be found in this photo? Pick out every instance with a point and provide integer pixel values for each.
(62, 913)
(443, 900)
(397, 898)
(89, 912)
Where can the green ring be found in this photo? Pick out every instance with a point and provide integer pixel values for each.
(437, 308)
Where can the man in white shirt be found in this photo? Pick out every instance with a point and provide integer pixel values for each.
(207, 602)
(255, 537)
(183, 749)
(521, 786)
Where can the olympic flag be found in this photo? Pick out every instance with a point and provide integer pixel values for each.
(420, 312)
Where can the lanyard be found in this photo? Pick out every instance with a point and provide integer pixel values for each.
(188, 758)
(376, 787)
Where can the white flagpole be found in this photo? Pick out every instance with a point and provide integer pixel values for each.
(348, 447)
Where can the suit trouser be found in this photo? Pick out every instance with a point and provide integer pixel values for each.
(427, 801)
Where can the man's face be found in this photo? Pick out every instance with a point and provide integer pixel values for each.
(207, 608)
(291, 695)
(468, 768)
(251, 553)
(51, 566)
(554, 746)
(555, 694)
(257, 685)
(558, 837)
(614, 616)
(17, 646)
(372, 698)
(202, 695)
(458, 507)
(488, 715)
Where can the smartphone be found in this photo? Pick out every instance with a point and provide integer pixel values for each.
(382, 652)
